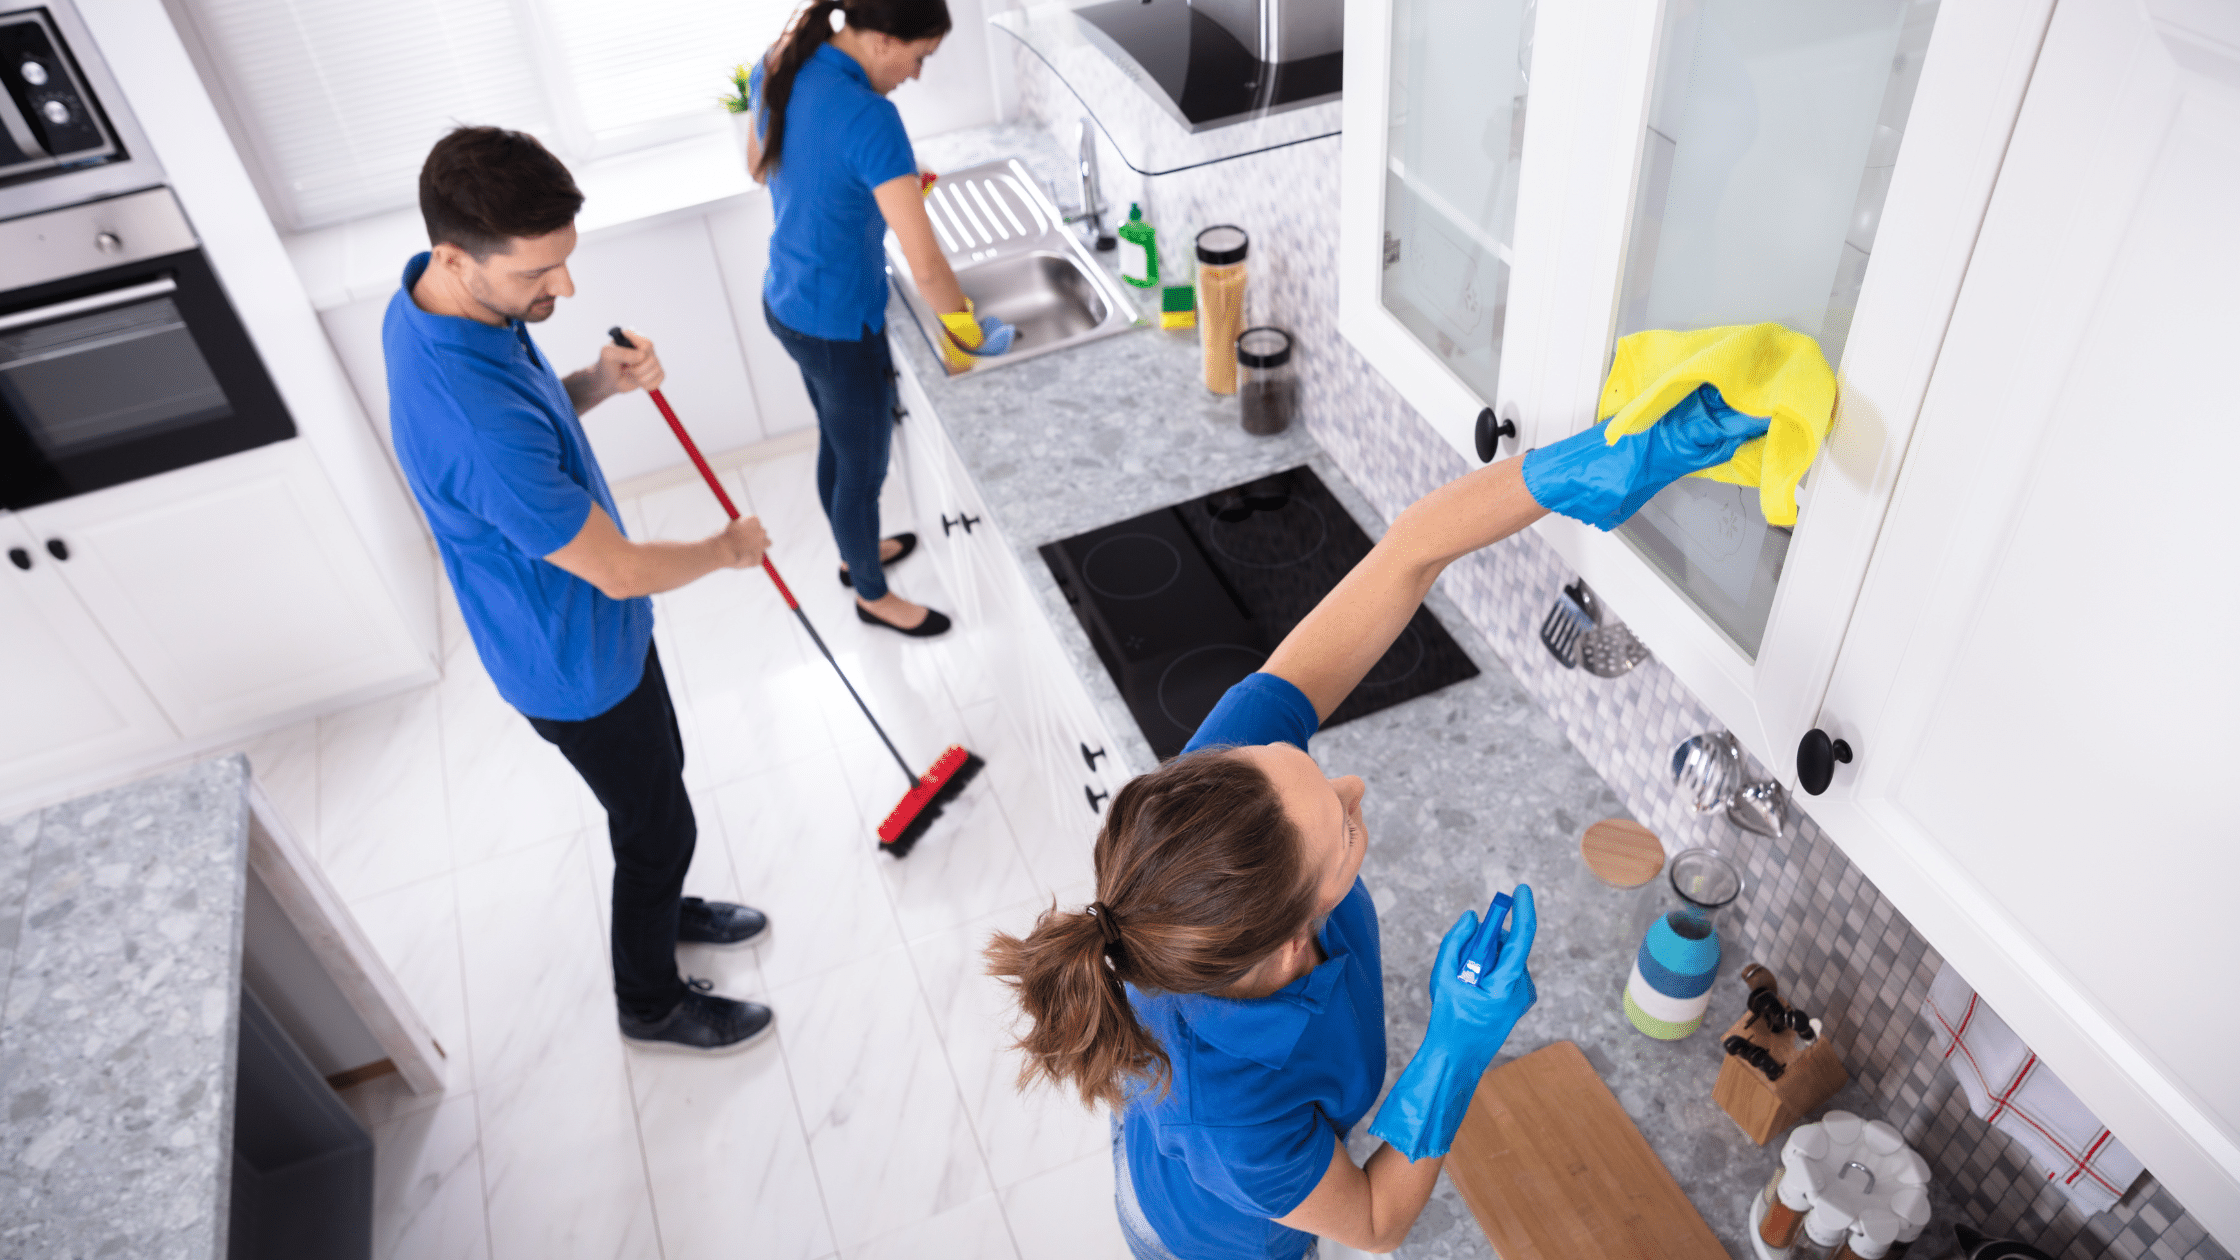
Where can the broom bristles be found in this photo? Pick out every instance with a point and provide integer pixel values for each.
(924, 803)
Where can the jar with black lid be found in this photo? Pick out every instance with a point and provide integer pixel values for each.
(1267, 383)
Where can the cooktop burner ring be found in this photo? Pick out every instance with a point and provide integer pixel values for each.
(1133, 566)
(1196, 680)
(1226, 537)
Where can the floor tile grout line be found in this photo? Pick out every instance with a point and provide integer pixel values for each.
(459, 959)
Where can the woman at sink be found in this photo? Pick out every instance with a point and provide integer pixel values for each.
(840, 170)
(1223, 994)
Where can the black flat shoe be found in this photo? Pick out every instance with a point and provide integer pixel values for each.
(909, 544)
(719, 923)
(934, 624)
(701, 1023)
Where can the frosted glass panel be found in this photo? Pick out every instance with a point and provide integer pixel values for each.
(1457, 129)
(1773, 129)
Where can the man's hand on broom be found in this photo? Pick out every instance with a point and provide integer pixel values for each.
(747, 541)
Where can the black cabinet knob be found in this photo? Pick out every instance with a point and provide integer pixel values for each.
(899, 412)
(1091, 757)
(947, 524)
(20, 557)
(1817, 756)
(967, 521)
(57, 548)
(1096, 798)
(1490, 433)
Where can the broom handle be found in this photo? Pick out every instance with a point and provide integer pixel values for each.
(708, 475)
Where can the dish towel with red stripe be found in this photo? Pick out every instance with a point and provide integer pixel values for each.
(2007, 1085)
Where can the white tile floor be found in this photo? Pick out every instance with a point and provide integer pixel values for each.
(882, 1119)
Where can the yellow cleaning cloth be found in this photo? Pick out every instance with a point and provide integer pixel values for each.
(1761, 370)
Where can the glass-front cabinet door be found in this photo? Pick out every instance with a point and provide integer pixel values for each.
(1682, 164)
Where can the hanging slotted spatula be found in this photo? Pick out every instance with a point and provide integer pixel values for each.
(1574, 614)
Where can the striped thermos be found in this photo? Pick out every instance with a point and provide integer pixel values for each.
(1672, 973)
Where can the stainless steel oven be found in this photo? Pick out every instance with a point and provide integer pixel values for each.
(120, 355)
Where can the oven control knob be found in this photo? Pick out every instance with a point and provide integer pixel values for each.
(34, 74)
(108, 243)
(56, 112)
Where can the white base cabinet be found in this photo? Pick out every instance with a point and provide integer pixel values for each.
(167, 614)
(1074, 761)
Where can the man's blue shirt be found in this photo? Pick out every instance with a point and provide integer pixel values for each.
(828, 276)
(492, 449)
(1262, 1087)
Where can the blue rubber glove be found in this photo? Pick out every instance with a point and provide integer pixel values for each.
(1468, 1024)
(1586, 478)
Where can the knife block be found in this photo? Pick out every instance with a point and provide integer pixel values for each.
(1764, 1108)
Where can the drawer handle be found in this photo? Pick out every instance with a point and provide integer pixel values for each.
(20, 557)
(1096, 798)
(1817, 756)
(1091, 757)
(57, 548)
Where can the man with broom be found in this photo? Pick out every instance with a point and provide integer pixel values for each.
(553, 594)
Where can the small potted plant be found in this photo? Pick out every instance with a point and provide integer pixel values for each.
(739, 103)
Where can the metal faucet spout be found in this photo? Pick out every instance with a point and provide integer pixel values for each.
(1092, 197)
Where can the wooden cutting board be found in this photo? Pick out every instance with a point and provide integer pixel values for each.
(1554, 1169)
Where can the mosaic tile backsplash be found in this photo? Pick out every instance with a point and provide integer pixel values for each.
(1839, 947)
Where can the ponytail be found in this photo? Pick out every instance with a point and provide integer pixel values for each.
(907, 20)
(1200, 875)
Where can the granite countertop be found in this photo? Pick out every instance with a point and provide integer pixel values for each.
(120, 957)
(1472, 789)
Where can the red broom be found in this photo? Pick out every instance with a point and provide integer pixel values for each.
(951, 771)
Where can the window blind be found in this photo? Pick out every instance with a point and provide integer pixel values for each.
(341, 99)
(338, 101)
(649, 75)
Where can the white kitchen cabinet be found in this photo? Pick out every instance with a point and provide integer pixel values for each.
(1075, 765)
(71, 697)
(1693, 163)
(2038, 684)
(235, 594)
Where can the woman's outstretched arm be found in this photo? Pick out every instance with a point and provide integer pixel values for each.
(1330, 651)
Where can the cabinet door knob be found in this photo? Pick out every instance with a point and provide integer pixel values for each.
(57, 548)
(1490, 433)
(964, 522)
(1817, 756)
(20, 557)
(1096, 798)
(1091, 757)
(899, 412)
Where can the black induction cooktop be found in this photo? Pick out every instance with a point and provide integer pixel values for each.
(1183, 602)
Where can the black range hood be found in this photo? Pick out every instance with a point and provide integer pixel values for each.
(1209, 75)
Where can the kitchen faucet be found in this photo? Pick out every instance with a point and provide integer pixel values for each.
(1092, 208)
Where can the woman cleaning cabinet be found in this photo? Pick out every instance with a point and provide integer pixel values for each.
(841, 172)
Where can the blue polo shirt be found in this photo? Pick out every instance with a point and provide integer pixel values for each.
(827, 276)
(1261, 1086)
(492, 449)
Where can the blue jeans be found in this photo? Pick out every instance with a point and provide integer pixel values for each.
(850, 386)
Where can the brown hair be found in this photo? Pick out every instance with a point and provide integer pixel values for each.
(483, 186)
(1200, 875)
(906, 20)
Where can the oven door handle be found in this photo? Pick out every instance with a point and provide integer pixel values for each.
(20, 134)
(95, 302)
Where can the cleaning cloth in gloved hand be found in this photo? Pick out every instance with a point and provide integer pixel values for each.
(969, 335)
(1760, 370)
(1468, 1024)
(1590, 478)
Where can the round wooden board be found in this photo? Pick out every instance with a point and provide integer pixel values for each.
(1622, 852)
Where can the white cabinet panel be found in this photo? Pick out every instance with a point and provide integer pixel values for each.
(2038, 683)
(71, 699)
(237, 588)
(740, 231)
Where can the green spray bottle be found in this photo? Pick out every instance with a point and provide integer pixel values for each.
(1139, 250)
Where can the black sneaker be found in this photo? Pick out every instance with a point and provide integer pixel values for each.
(702, 1022)
(719, 923)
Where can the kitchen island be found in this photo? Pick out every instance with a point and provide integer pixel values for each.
(120, 952)
(1470, 789)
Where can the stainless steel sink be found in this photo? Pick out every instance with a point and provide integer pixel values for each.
(1018, 261)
